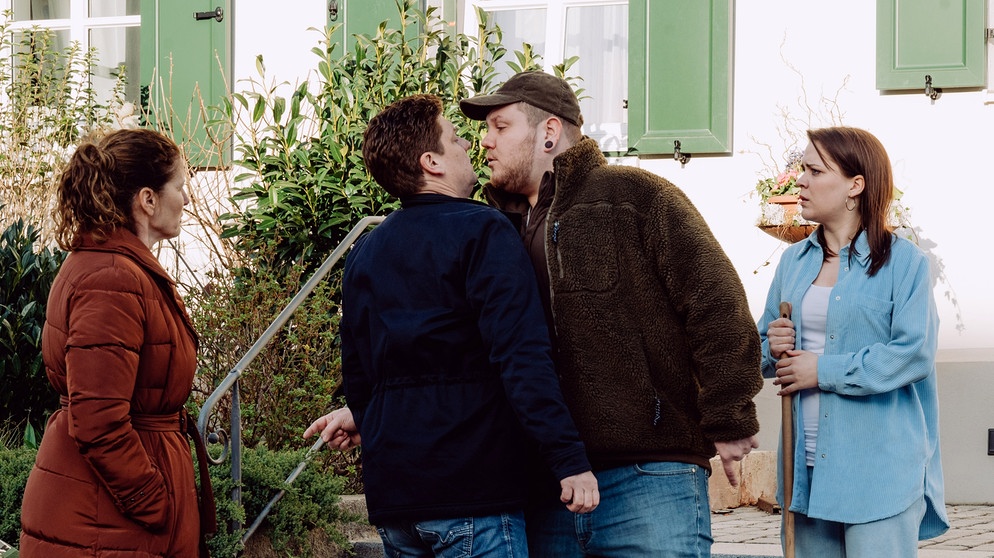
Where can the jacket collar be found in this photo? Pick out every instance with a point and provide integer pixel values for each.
(578, 161)
(862, 254)
(434, 199)
(515, 203)
(126, 243)
(123, 241)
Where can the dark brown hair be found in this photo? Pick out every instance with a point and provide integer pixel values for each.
(856, 152)
(397, 137)
(101, 179)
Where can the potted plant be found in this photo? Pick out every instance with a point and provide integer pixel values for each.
(779, 213)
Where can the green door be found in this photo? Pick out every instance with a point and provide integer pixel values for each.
(360, 17)
(944, 40)
(680, 76)
(185, 65)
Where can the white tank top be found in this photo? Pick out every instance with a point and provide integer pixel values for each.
(814, 323)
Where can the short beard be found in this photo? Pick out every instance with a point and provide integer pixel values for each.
(516, 180)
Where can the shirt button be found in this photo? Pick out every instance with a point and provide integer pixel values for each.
(823, 456)
(838, 298)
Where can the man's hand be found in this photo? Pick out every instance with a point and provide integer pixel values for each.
(733, 452)
(580, 493)
(337, 429)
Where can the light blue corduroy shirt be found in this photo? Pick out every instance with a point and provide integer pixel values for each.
(878, 427)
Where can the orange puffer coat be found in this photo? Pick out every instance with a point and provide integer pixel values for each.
(114, 474)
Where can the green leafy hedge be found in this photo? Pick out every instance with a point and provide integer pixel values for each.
(309, 504)
(305, 184)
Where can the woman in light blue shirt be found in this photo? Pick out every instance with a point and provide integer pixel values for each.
(860, 350)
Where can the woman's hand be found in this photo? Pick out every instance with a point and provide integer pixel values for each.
(799, 370)
(780, 336)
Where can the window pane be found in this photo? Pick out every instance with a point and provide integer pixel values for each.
(445, 11)
(598, 35)
(117, 48)
(517, 27)
(108, 8)
(26, 10)
(40, 43)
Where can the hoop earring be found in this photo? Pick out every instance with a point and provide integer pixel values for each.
(549, 144)
(853, 200)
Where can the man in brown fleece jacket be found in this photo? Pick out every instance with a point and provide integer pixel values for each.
(656, 349)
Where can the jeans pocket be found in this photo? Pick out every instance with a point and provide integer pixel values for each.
(665, 469)
(451, 538)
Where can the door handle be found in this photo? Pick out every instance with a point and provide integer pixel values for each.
(217, 14)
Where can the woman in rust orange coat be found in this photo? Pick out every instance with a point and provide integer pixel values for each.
(114, 473)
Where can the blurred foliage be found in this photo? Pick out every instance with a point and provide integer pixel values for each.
(26, 275)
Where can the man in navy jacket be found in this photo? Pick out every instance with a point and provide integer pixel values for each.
(446, 359)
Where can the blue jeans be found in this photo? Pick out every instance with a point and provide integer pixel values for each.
(491, 536)
(892, 536)
(657, 510)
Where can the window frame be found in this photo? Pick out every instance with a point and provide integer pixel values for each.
(556, 13)
(79, 27)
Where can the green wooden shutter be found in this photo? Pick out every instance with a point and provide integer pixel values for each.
(945, 40)
(680, 76)
(184, 63)
(360, 17)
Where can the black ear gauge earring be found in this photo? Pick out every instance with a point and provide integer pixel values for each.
(549, 144)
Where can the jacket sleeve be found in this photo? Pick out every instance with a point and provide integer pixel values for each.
(502, 284)
(871, 366)
(103, 348)
(706, 291)
(357, 384)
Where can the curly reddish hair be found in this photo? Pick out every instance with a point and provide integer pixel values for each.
(99, 183)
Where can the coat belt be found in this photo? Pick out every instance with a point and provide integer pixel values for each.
(181, 422)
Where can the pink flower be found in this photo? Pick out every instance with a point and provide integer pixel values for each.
(786, 177)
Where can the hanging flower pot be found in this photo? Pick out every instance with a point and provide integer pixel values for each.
(787, 228)
(788, 233)
(789, 203)
(779, 212)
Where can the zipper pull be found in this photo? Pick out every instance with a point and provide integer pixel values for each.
(555, 232)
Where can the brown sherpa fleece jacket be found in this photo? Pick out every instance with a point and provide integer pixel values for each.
(658, 353)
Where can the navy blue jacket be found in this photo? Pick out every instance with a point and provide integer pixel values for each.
(447, 364)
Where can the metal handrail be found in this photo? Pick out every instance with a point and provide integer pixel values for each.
(230, 383)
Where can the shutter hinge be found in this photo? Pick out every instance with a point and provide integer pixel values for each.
(990, 33)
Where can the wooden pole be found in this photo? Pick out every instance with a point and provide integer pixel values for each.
(787, 456)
